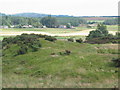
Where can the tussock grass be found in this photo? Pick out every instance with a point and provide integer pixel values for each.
(83, 68)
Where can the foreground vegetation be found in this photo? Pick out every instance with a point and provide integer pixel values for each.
(60, 64)
(35, 60)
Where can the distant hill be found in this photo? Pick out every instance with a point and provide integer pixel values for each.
(30, 15)
(38, 15)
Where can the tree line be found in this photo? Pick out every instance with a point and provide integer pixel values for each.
(19, 21)
(112, 21)
(48, 21)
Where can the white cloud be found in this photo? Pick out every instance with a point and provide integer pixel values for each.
(70, 7)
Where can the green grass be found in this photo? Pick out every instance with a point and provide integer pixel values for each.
(84, 67)
(98, 21)
(1, 38)
(112, 27)
(67, 37)
(49, 30)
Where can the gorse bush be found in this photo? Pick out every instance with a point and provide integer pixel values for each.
(79, 40)
(26, 42)
(22, 50)
(71, 39)
(66, 52)
(116, 62)
(106, 39)
(49, 38)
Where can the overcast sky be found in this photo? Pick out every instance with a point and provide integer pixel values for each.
(62, 7)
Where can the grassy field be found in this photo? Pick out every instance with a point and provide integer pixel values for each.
(112, 27)
(81, 32)
(58, 30)
(49, 30)
(1, 38)
(98, 21)
(67, 37)
(87, 66)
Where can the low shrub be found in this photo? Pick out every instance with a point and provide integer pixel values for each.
(22, 50)
(105, 39)
(71, 39)
(79, 40)
(49, 38)
(66, 52)
(26, 42)
(116, 62)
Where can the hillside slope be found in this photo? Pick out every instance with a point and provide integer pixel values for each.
(85, 67)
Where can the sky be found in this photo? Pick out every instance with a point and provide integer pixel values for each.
(61, 7)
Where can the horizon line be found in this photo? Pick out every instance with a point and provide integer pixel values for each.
(65, 14)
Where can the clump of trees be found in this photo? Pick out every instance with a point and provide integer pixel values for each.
(101, 36)
(101, 31)
(49, 21)
(75, 21)
(20, 21)
(111, 22)
(68, 25)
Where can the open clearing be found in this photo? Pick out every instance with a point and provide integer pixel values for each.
(79, 31)
(12, 33)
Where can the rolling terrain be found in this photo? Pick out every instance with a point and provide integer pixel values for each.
(88, 65)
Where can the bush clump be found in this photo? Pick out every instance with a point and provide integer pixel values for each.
(79, 40)
(101, 36)
(49, 38)
(116, 62)
(71, 39)
(66, 52)
(26, 42)
(22, 50)
(102, 40)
